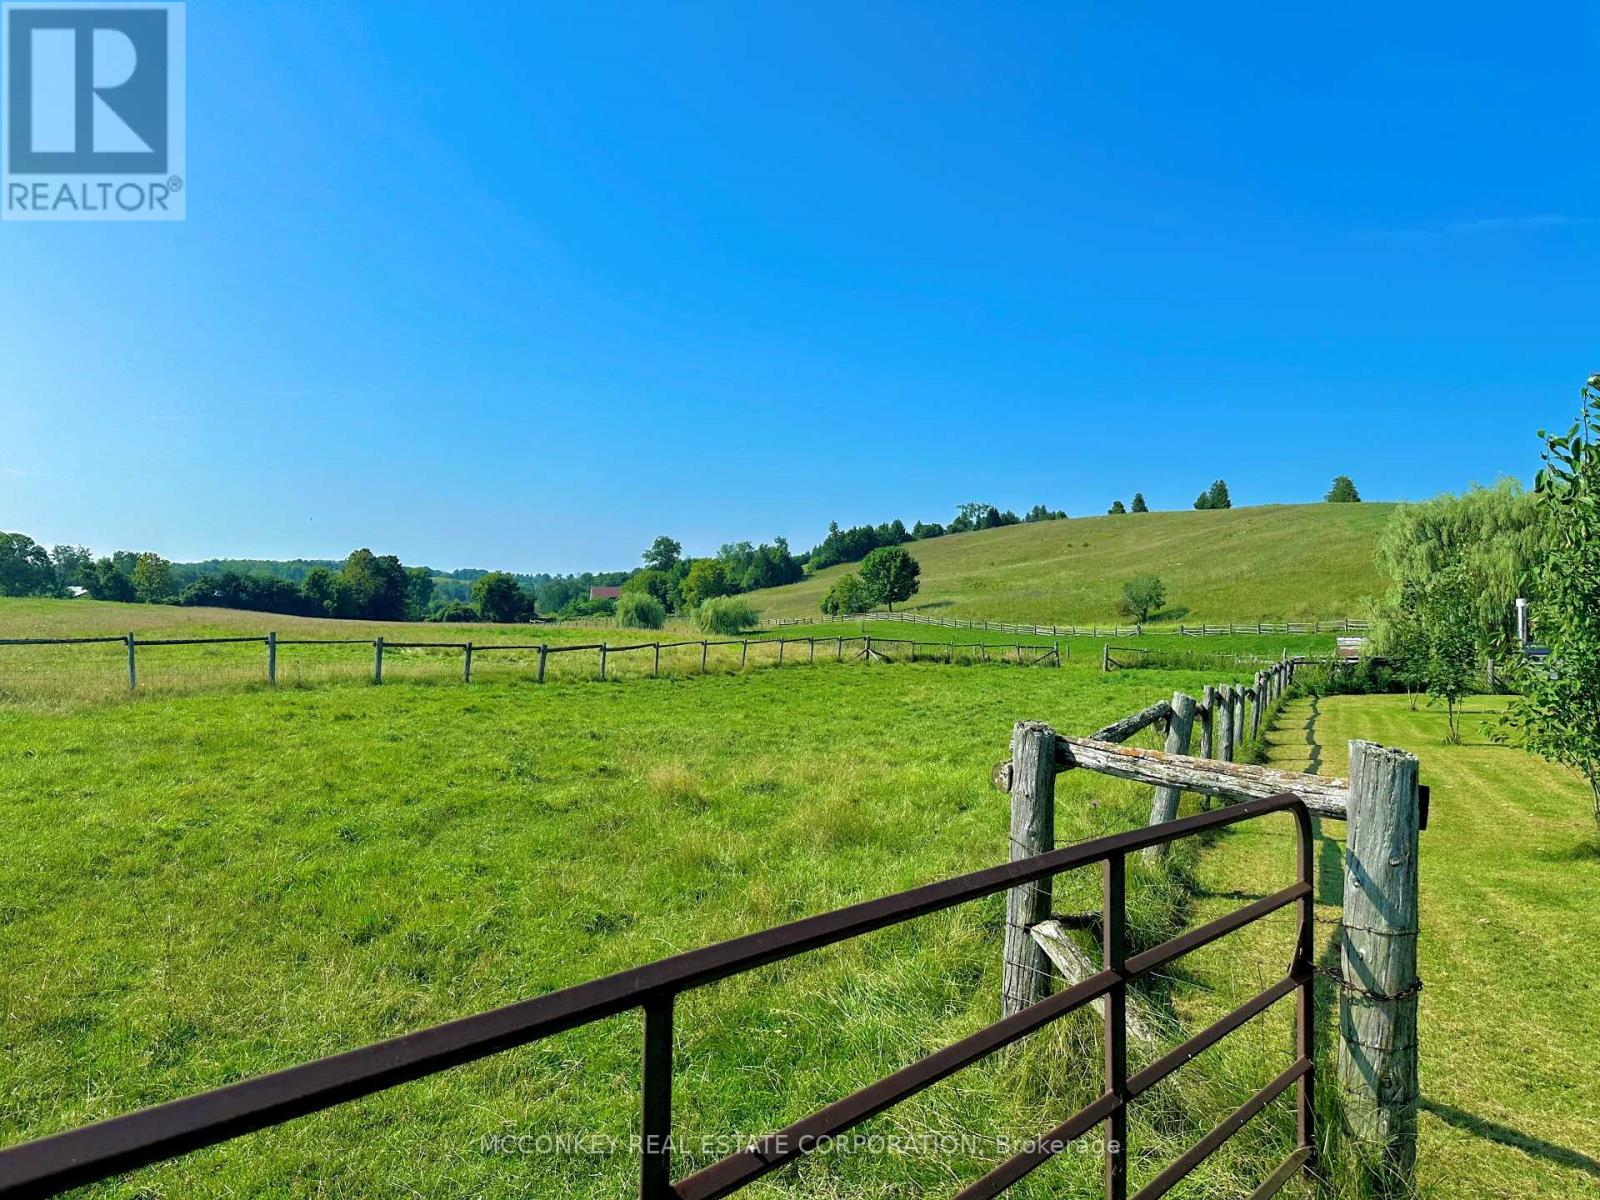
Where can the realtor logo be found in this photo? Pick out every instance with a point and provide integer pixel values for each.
(93, 111)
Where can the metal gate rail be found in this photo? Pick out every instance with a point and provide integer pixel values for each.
(53, 1164)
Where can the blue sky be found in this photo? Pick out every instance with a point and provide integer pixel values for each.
(523, 286)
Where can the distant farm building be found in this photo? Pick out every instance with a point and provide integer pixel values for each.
(604, 593)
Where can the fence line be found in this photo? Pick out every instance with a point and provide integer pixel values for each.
(1385, 808)
(1328, 625)
(871, 649)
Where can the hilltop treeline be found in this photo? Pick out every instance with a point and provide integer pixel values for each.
(855, 543)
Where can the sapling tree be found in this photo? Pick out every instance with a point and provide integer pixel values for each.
(1404, 641)
(1557, 714)
(1447, 633)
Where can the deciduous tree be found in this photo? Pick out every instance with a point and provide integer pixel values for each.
(1557, 716)
(1142, 596)
(890, 575)
(663, 554)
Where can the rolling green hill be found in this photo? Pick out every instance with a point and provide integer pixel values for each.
(1281, 561)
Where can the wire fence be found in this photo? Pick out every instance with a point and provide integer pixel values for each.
(67, 669)
(1263, 628)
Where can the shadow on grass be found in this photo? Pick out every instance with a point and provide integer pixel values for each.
(1585, 851)
(1176, 613)
(1504, 1135)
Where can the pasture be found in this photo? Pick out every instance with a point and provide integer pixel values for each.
(199, 888)
(63, 677)
(1272, 562)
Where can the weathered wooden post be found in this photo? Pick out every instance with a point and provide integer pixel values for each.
(656, 670)
(1025, 977)
(466, 665)
(812, 654)
(1258, 697)
(133, 667)
(1378, 957)
(780, 652)
(272, 658)
(377, 660)
(602, 660)
(1237, 695)
(1224, 723)
(544, 653)
(1105, 657)
(744, 652)
(1179, 729)
(1208, 709)
(703, 648)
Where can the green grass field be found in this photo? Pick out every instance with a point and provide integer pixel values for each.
(199, 888)
(1277, 562)
(63, 677)
(1509, 947)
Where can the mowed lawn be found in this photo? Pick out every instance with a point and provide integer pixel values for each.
(199, 888)
(1509, 947)
(1274, 562)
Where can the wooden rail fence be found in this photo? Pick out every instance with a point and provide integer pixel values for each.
(1385, 808)
(866, 648)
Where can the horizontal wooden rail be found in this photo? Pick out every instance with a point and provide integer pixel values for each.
(1228, 781)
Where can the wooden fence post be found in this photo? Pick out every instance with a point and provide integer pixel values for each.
(656, 670)
(812, 642)
(466, 666)
(377, 660)
(1223, 713)
(1025, 978)
(272, 658)
(1208, 712)
(544, 652)
(780, 652)
(1179, 729)
(1105, 657)
(703, 649)
(1237, 694)
(1378, 957)
(1258, 696)
(602, 660)
(133, 668)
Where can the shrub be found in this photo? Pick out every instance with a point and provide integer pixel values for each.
(846, 596)
(1117, 509)
(640, 610)
(725, 615)
(453, 611)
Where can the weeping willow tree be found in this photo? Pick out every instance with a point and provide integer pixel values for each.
(1491, 536)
